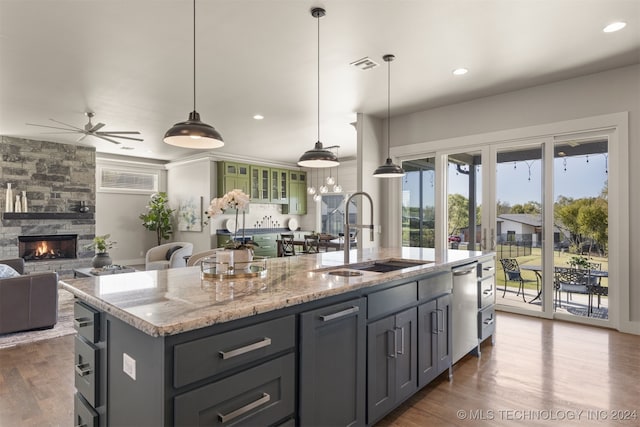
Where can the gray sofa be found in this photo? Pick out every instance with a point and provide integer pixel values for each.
(28, 301)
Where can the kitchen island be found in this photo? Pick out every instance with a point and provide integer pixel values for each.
(300, 346)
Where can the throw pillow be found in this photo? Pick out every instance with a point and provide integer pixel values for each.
(171, 251)
(7, 271)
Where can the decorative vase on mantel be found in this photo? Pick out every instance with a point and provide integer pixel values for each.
(101, 259)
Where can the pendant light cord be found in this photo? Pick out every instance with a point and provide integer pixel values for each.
(318, 18)
(194, 55)
(388, 109)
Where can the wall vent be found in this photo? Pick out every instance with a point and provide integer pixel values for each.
(365, 63)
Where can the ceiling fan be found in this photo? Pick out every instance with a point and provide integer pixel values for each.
(92, 130)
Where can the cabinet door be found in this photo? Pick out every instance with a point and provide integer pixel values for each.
(445, 339)
(434, 339)
(259, 184)
(332, 365)
(297, 193)
(279, 186)
(392, 368)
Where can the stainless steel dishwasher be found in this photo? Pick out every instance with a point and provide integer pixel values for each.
(465, 310)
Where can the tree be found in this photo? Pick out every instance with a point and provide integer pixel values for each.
(458, 207)
(158, 216)
(530, 207)
(593, 222)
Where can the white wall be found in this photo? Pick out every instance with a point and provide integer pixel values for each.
(603, 93)
(370, 144)
(117, 212)
(187, 180)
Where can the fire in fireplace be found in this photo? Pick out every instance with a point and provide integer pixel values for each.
(47, 247)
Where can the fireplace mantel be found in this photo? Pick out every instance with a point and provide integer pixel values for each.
(47, 215)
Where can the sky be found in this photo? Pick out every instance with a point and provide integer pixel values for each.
(524, 182)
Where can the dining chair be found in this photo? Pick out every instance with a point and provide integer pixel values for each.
(312, 243)
(511, 270)
(288, 248)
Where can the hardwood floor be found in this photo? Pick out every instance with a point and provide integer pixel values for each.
(540, 373)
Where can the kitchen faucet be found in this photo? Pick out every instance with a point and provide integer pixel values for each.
(347, 226)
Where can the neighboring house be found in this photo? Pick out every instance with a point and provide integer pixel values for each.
(525, 227)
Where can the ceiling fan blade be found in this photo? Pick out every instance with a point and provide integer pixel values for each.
(109, 134)
(54, 127)
(106, 139)
(133, 132)
(81, 138)
(96, 128)
(67, 124)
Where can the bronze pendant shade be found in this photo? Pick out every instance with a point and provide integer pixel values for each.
(389, 169)
(194, 133)
(318, 157)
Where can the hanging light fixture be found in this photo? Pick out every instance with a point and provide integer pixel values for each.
(389, 169)
(337, 188)
(193, 133)
(318, 157)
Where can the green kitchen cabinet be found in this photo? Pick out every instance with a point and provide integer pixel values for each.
(260, 184)
(279, 186)
(231, 176)
(297, 193)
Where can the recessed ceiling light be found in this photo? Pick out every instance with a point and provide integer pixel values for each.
(460, 71)
(126, 148)
(258, 117)
(614, 26)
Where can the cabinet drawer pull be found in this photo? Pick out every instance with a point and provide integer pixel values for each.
(339, 314)
(241, 411)
(488, 321)
(401, 351)
(81, 425)
(392, 343)
(82, 322)
(246, 349)
(440, 323)
(487, 292)
(489, 268)
(83, 369)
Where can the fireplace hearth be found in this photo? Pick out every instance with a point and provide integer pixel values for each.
(48, 247)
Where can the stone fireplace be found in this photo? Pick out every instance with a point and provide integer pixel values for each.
(55, 178)
(47, 247)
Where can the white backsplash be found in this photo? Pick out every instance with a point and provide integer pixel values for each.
(260, 215)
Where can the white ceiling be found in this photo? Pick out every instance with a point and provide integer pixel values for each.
(130, 61)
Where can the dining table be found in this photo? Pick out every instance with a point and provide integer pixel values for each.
(537, 269)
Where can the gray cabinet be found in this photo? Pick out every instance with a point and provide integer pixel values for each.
(90, 382)
(332, 365)
(486, 300)
(434, 339)
(391, 362)
(259, 396)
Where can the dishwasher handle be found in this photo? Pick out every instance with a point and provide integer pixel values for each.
(465, 269)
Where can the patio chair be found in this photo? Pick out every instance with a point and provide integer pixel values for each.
(511, 270)
(571, 280)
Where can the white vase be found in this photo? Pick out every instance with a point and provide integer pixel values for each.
(242, 259)
(18, 206)
(8, 200)
(24, 201)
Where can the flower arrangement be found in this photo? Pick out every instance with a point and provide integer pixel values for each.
(238, 200)
(101, 243)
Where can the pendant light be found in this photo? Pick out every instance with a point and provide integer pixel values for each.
(193, 133)
(318, 157)
(389, 169)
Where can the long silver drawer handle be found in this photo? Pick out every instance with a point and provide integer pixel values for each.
(339, 314)
(391, 336)
(83, 369)
(488, 321)
(82, 322)
(246, 349)
(241, 411)
(401, 351)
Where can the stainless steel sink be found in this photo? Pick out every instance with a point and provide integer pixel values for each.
(382, 266)
(346, 273)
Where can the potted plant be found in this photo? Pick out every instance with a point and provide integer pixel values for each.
(158, 216)
(238, 200)
(101, 244)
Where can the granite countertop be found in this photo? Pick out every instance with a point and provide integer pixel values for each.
(168, 302)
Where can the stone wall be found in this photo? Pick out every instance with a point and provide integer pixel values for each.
(56, 178)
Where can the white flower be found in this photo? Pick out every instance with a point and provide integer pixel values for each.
(236, 199)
